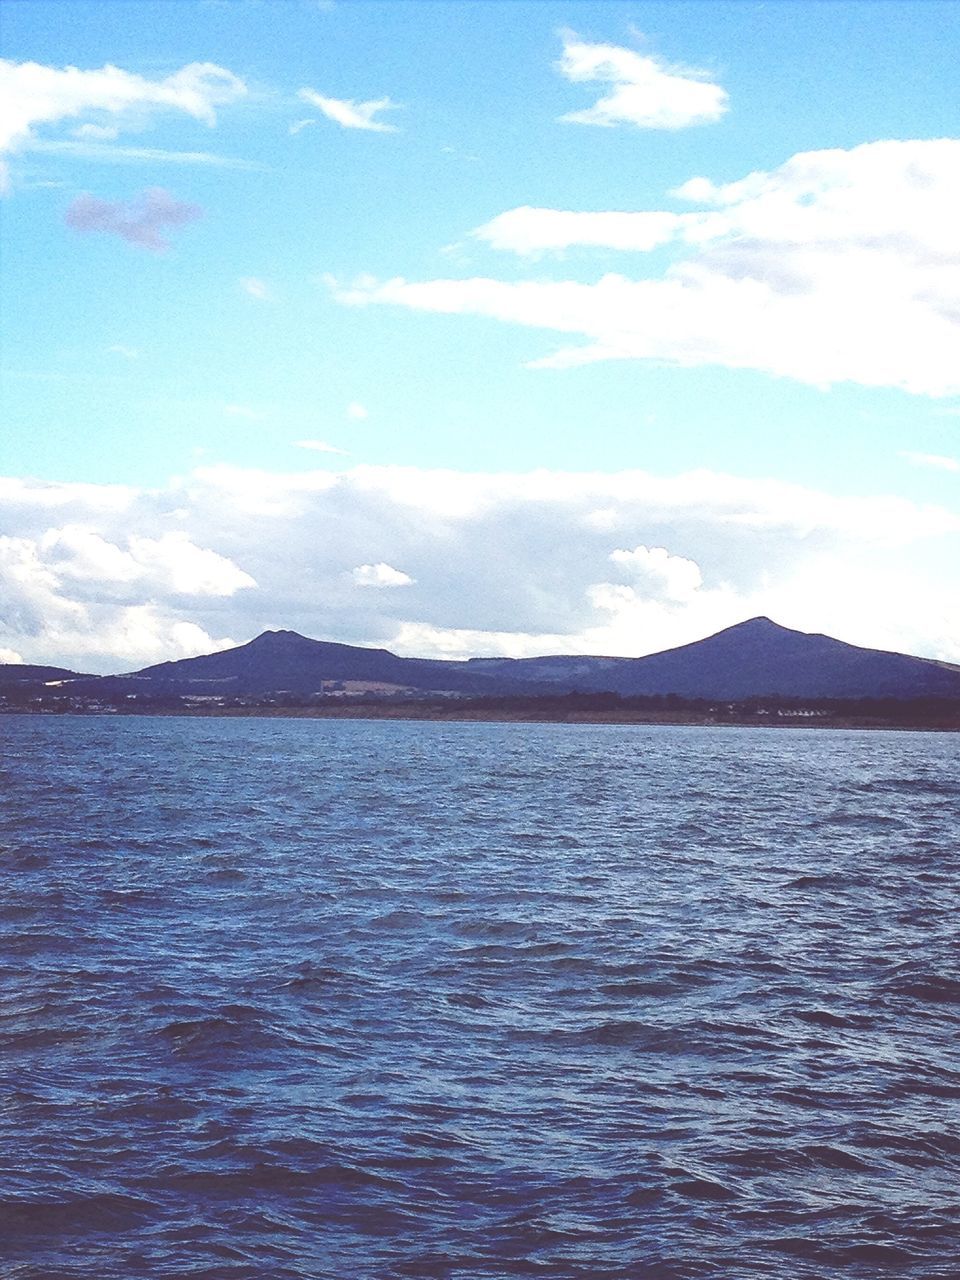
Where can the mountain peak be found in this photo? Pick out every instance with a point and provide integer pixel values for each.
(279, 638)
(760, 626)
(760, 623)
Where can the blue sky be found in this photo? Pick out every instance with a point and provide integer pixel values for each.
(547, 257)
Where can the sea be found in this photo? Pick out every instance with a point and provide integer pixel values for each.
(361, 1000)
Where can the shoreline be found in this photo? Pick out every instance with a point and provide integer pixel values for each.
(494, 715)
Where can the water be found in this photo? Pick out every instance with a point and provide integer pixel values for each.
(354, 1001)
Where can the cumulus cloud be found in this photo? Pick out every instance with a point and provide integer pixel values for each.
(141, 221)
(168, 563)
(380, 575)
(175, 563)
(646, 92)
(33, 96)
(350, 114)
(83, 597)
(840, 266)
(109, 577)
(672, 576)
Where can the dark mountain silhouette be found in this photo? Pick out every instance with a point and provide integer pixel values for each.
(757, 658)
(754, 658)
(286, 661)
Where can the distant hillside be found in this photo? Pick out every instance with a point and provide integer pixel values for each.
(755, 659)
(286, 661)
(760, 657)
(23, 673)
(752, 659)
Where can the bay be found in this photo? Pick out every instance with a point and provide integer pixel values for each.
(337, 999)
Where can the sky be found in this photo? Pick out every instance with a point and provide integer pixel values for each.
(477, 328)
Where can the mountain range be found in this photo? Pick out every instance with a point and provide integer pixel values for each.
(757, 658)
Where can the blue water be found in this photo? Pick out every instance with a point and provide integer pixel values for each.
(363, 1000)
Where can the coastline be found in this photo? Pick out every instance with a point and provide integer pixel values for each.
(513, 715)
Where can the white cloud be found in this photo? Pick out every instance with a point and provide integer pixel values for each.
(174, 561)
(319, 446)
(840, 266)
(17, 496)
(646, 91)
(533, 231)
(170, 562)
(11, 657)
(673, 576)
(112, 153)
(243, 411)
(62, 628)
(415, 639)
(380, 575)
(357, 411)
(34, 96)
(106, 577)
(256, 288)
(99, 132)
(935, 460)
(127, 353)
(350, 114)
(74, 551)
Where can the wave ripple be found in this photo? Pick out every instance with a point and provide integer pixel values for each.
(334, 1000)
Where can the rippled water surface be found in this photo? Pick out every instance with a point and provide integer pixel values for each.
(361, 1000)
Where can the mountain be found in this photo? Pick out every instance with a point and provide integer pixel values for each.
(753, 659)
(284, 661)
(757, 658)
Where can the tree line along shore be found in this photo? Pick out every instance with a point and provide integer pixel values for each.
(593, 708)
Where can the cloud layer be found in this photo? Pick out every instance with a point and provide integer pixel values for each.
(839, 266)
(433, 563)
